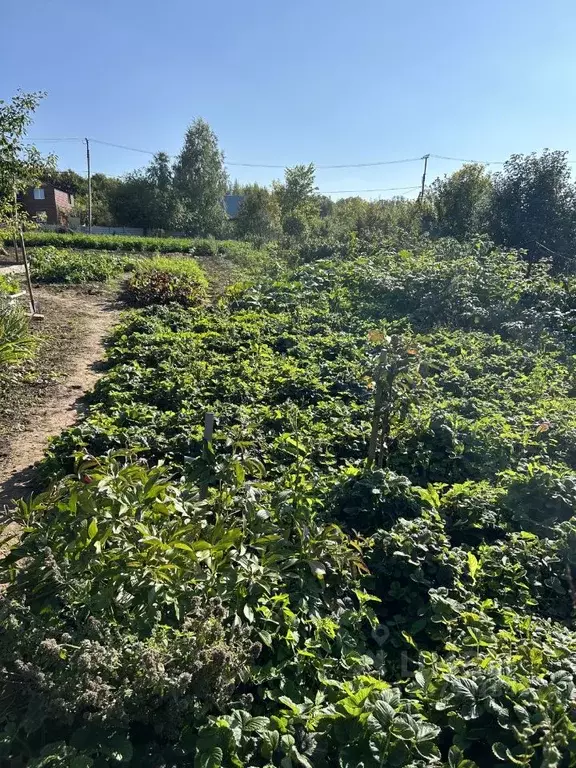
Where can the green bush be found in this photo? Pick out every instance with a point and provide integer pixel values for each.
(239, 252)
(165, 280)
(50, 265)
(8, 285)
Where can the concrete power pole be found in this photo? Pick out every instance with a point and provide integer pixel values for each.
(89, 186)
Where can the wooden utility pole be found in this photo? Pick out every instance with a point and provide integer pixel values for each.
(89, 186)
(425, 158)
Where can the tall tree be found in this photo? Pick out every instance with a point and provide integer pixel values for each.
(21, 165)
(145, 198)
(460, 202)
(200, 182)
(68, 181)
(160, 178)
(131, 201)
(259, 215)
(533, 206)
(298, 200)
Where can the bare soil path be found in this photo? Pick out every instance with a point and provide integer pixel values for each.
(45, 400)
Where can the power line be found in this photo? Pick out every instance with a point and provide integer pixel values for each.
(282, 167)
(122, 146)
(73, 138)
(464, 160)
(378, 189)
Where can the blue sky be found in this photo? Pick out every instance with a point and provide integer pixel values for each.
(329, 81)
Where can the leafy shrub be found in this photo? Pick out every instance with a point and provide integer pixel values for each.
(50, 265)
(16, 341)
(240, 253)
(165, 280)
(8, 285)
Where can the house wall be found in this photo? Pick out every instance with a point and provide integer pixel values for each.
(56, 204)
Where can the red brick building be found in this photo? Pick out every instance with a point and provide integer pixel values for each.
(48, 204)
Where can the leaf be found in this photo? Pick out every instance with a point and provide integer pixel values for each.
(454, 756)
(473, 565)
(266, 637)
(92, 529)
(383, 713)
(257, 724)
(499, 750)
(317, 568)
(409, 639)
(248, 613)
(465, 689)
(211, 759)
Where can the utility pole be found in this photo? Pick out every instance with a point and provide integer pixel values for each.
(89, 187)
(425, 158)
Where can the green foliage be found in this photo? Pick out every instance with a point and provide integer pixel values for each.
(200, 182)
(238, 252)
(109, 242)
(460, 202)
(146, 198)
(258, 218)
(16, 341)
(51, 265)
(21, 164)
(8, 285)
(533, 206)
(298, 201)
(370, 563)
(165, 280)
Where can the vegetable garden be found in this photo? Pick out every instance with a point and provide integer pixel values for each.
(370, 562)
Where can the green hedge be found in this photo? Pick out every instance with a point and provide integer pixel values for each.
(238, 252)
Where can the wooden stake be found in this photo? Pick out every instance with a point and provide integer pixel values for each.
(207, 442)
(15, 225)
(28, 278)
(208, 428)
(380, 370)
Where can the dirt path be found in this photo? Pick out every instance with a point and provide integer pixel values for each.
(13, 269)
(79, 322)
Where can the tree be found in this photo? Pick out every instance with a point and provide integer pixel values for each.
(68, 181)
(200, 182)
(160, 178)
(21, 165)
(258, 217)
(131, 201)
(145, 198)
(298, 200)
(533, 206)
(460, 202)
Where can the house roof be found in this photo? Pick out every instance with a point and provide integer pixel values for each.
(232, 204)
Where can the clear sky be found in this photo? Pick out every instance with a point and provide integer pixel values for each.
(329, 81)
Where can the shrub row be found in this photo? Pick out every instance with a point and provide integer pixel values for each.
(236, 251)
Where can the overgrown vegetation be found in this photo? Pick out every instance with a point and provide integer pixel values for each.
(8, 285)
(371, 561)
(16, 342)
(53, 265)
(165, 280)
